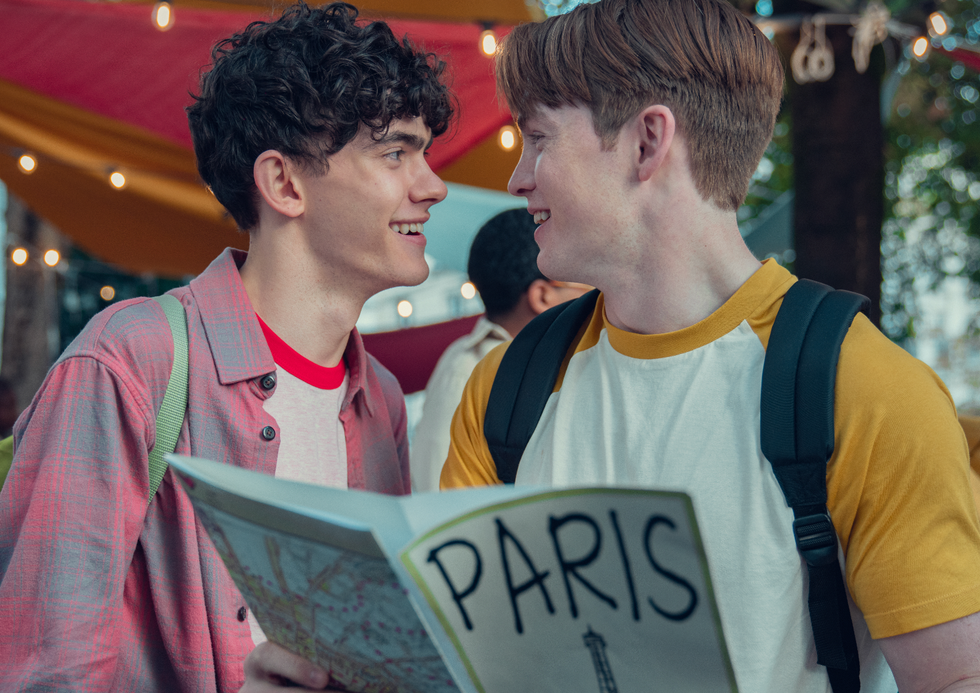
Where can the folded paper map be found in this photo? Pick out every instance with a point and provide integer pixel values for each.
(490, 590)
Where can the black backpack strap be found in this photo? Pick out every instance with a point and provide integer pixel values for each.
(526, 378)
(797, 431)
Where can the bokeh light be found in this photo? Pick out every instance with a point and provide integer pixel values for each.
(27, 163)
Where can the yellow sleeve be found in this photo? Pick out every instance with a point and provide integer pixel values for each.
(899, 489)
(469, 462)
(971, 427)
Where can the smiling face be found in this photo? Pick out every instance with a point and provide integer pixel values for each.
(574, 189)
(363, 218)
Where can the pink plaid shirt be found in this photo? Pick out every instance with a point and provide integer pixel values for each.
(98, 591)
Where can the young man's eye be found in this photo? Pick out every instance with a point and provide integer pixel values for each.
(395, 155)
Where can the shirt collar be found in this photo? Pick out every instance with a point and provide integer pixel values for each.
(357, 363)
(238, 347)
(484, 329)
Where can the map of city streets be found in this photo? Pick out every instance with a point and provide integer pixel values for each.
(344, 610)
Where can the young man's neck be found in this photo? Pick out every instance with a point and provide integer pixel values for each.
(684, 266)
(675, 257)
(298, 300)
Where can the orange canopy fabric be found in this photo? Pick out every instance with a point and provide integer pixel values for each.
(94, 87)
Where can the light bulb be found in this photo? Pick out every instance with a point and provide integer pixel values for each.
(488, 42)
(27, 163)
(507, 137)
(920, 46)
(163, 16)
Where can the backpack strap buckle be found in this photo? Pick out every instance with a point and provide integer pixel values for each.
(816, 538)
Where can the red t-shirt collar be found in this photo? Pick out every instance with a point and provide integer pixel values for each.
(311, 373)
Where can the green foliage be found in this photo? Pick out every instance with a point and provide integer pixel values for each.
(931, 229)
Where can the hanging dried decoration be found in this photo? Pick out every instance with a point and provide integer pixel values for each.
(870, 29)
(813, 59)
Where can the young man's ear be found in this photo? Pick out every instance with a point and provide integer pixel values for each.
(655, 132)
(538, 293)
(543, 294)
(277, 182)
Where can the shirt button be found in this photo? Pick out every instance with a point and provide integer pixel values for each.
(268, 433)
(242, 614)
(268, 381)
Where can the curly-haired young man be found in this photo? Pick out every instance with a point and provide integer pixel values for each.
(643, 121)
(311, 130)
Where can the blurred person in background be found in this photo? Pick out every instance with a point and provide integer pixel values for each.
(503, 266)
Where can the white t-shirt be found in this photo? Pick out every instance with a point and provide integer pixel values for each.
(682, 411)
(306, 406)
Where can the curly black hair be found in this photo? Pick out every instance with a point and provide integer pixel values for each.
(303, 85)
(504, 260)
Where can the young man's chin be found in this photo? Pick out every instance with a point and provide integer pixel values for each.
(418, 280)
(411, 277)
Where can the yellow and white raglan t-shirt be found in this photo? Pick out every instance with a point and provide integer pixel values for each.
(681, 411)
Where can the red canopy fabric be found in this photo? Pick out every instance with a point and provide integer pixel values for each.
(411, 354)
(93, 87)
(109, 59)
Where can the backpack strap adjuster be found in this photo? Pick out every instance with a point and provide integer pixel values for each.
(816, 539)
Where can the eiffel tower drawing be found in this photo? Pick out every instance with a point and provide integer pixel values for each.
(603, 672)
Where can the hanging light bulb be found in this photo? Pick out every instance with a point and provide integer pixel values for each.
(117, 180)
(488, 42)
(107, 293)
(507, 137)
(27, 163)
(938, 24)
(920, 47)
(163, 16)
(405, 308)
(19, 256)
(468, 290)
(51, 258)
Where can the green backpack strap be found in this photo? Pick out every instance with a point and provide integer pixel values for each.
(171, 415)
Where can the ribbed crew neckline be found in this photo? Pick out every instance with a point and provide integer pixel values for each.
(290, 360)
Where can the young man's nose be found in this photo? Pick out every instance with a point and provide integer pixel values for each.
(428, 187)
(522, 179)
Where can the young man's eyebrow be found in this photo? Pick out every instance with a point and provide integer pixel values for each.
(408, 139)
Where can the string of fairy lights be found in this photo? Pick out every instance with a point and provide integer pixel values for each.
(163, 18)
(812, 60)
